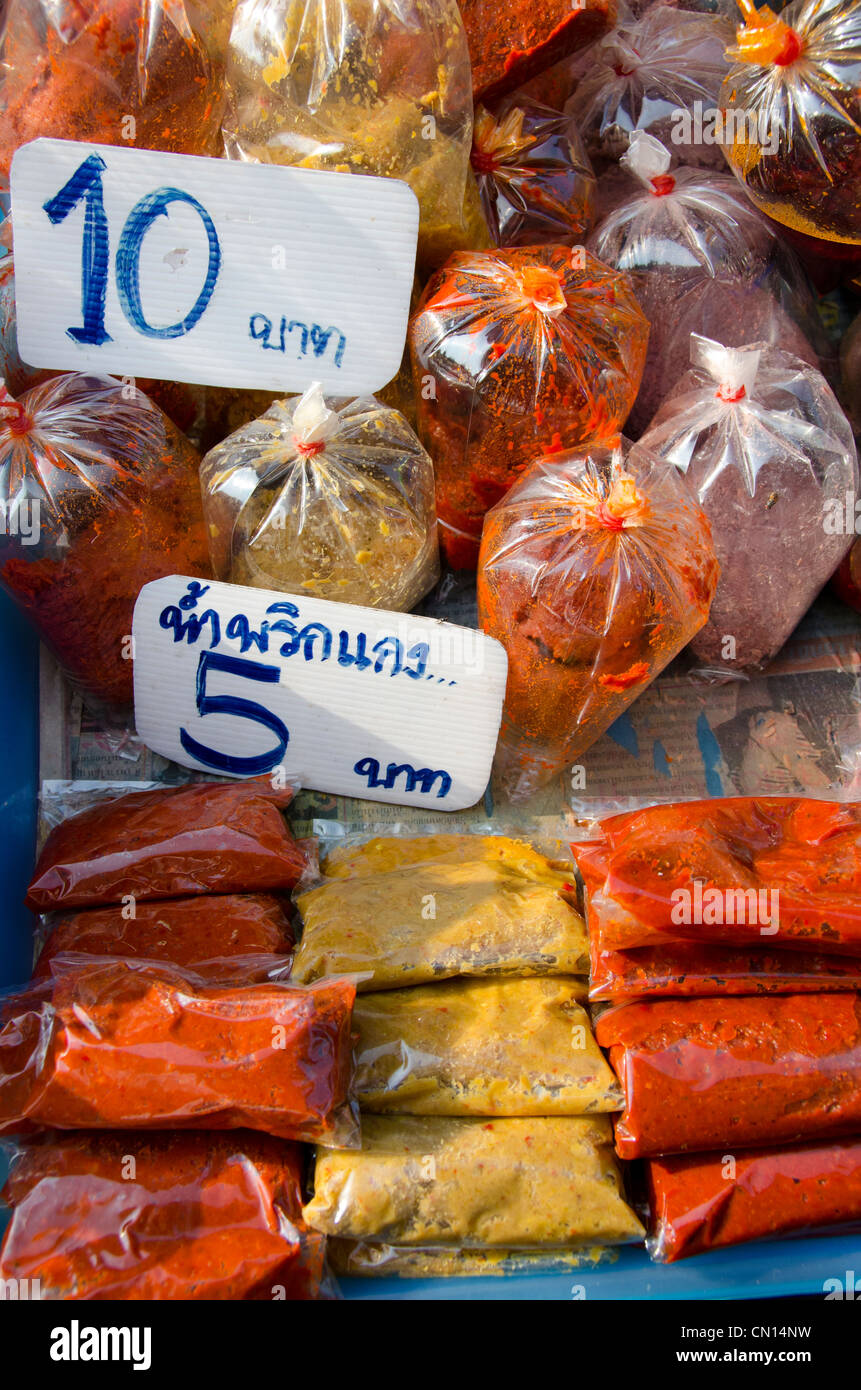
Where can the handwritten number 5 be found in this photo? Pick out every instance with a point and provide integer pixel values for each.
(243, 709)
(86, 184)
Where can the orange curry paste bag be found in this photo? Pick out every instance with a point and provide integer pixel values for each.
(121, 1044)
(518, 353)
(595, 571)
(160, 1216)
(701, 1202)
(775, 873)
(701, 1074)
(209, 837)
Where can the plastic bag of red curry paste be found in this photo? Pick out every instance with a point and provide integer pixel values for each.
(223, 936)
(207, 837)
(595, 571)
(160, 1216)
(696, 1206)
(769, 873)
(105, 496)
(123, 1044)
(144, 72)
(515, 354)
(700, 1074)
(513, 42)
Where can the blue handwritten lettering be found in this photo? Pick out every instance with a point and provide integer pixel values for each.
(423, 779)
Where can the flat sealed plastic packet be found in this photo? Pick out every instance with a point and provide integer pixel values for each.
(213, 934)
(528, 352)
(481, 1047)
(770, 454)
(148, 72)
(499, 908)
(595, 571)
(796, 140)
(686, 968)
(534, 177)
(361, 87)
(701, 1074)
(335, 503)
(655, 74)
(699, 1203)
(768, 873)
(478, 1184)
(122, 1044)
(160, 1216)
(207, 837)
(105, 494)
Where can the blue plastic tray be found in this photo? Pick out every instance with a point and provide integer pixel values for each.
(757, 1271)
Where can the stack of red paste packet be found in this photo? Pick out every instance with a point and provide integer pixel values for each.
(726, 937)
(161, 1005)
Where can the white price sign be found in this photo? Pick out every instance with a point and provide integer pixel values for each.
(354, 701)
(139, 263)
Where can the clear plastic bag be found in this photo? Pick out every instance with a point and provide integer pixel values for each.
(513, 43)
(653, 74)
(160, 1216)
(100, 496)
(488, 906)
(764, 873)
(700, 1074)
(689, 238)
(221, 936)
(794, 88)
(549, 1182)
(481, 1047)
(596, 570)
(108, 1043)
(518, 353)
(144, 72)
(770, 454)
(700, 1203)
(207, 837)
(366, 87)
(534, 177)
(336, 503)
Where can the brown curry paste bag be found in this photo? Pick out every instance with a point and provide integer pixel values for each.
(214, 934)
(207, 837)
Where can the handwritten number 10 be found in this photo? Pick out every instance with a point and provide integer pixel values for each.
(86, 184)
